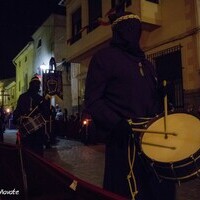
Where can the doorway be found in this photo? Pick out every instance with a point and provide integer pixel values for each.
(168, 66)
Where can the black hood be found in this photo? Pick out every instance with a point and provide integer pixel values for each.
(126, 28)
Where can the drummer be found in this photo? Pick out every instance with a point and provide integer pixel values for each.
(27, 102)
(121, 84)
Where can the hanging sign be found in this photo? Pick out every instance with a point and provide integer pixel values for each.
(52, 84)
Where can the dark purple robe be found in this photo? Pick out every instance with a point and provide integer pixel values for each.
(27, 102)
(121, 84)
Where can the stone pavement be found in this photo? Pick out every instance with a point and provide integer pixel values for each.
(87, 163)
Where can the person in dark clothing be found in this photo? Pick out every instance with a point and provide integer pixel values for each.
(2, 124)
(121, 84)
(32, 106)
(52, 127)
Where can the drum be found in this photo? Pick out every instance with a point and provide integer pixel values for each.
(172, 146)
(31, 124)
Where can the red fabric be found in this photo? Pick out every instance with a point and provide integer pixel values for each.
(44, 179)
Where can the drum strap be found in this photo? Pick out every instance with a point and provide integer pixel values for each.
(131, 174)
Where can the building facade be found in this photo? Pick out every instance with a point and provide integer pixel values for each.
(49, 41)
(8, 94)
(10, 98)
(170, 39)
(174, 49)
(23, 62)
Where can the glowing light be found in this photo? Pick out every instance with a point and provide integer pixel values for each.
(85, 122)
(7, 110)
(44, 67)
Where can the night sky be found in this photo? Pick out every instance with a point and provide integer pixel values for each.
(19, 19)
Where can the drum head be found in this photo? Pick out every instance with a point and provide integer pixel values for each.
(173, 148)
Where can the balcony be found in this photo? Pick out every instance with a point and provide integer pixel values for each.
(148, 11)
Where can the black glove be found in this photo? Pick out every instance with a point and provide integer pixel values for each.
(120, 134)
(123, 127)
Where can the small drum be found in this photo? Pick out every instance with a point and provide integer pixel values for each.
(174, 154)
(31, 124)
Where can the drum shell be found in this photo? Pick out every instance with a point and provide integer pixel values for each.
(181, 170)
(32, 124)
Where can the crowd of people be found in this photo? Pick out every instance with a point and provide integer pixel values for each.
(39, 123)
(5, 119)
(75, 126)
(66, 125)
(2, 124)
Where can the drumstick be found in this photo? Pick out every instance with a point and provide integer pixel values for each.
(152, 131)
(35, 109)
(165, 108)
(157, 145)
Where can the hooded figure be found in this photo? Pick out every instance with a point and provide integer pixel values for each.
(127, 30)
(121, 84)
(31, 104)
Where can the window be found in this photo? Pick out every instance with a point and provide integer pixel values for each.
(13, 92)
(25, 58)
(168, 64)
(76, 25)
(95, 12)
(39, 43)
(128, 3)
(26, 81)
(117, 2)
(69, 74)
(67, 67)
(153, 1)
(112, 3)
(19, 86)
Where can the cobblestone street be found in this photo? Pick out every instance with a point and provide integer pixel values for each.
(87, 163)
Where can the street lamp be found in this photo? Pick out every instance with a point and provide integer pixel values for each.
(43, 67)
